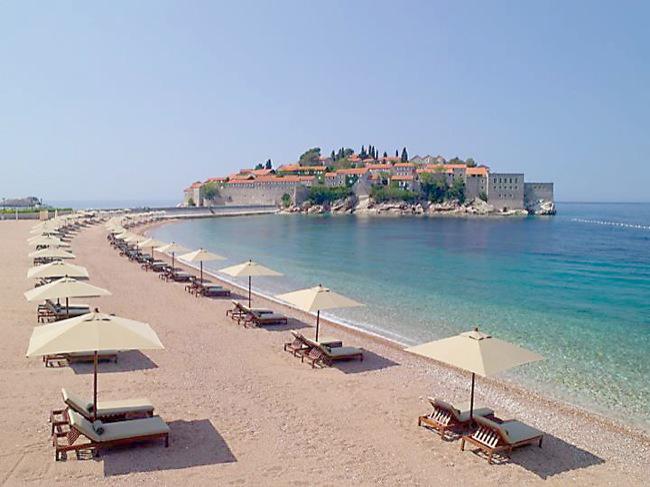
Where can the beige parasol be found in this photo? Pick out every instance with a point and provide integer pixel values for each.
(316, 299)
(477, 353)
(249, 269)
(96, 332)
(57, 268)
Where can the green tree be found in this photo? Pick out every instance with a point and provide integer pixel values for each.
(385, 154)
(363, 154)
(310, 157)
(396, 153)
(210, 190)
(333, 156)
(269, 164)
(405, 155)
(433, 188)
(483, 196)
(457, 191)
(259, 166)
(469, 162)
(321, 194)
(456, 160)
(286, 200)
(190, 202)
(382, 194)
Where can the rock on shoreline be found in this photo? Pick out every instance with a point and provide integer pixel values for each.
(365, 206)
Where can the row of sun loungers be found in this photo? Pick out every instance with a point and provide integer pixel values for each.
(488, 433)
(321, 353)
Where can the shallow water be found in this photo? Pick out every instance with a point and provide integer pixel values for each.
(574, 287)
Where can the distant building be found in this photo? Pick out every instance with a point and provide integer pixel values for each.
(27, 202)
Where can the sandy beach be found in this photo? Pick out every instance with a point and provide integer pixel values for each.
(242, 411)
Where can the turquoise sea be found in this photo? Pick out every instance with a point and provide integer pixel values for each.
(574, 287)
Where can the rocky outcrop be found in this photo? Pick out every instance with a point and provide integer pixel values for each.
(541, 207)
(366, 206)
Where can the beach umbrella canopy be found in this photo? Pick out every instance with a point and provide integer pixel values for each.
(150, 243)
(476, 352)
(67, 288)
(316, 299)
(93, 332)
(171, 248)
(135, 238)
(51, 253)
(249, 269)
(200, 255)
(46, 240)
(57, 268)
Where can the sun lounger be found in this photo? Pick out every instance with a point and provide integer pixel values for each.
(446, 416)
(107, 435)
(325, 354)
(212, 290)
(298, 345)
(496, 436)
(107, 411)
(256, 318)
(180, 276)
(239, 311)
(79, 357)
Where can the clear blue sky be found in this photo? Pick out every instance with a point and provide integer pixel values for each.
(123, 99)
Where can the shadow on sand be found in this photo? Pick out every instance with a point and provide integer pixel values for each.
(126, 362)
(371, 361)
(555, 457)
(191, 444)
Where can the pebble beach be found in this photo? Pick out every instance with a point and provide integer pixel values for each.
(243, 411)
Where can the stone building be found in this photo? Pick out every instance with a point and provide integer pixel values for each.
(506, 191)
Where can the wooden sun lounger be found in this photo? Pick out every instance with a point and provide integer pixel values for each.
(78, 357)
(298, 345)
(257, 318)
(322, 354)
(496, 436)
(113, 434)
(107, 411)
(446, 416)
(240, 311)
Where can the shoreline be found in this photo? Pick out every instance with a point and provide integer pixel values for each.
(639, 431)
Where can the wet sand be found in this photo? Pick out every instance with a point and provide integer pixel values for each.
(243, 411)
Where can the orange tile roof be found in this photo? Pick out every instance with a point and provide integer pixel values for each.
(454, 166)
(217, 179)
(402, 178)
(332, 174)
(274, 179)
(477, 171)
(378, 166)
(261, 172)
(298, 167)
(404, 164)
(354, 170)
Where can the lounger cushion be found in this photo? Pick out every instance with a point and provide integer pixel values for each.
(98, 427)
(75, 402)
(513, 431)
(461, 409)
(114, 408)
(107, 408)
(270, 316)
(342, 351)
(120, 430)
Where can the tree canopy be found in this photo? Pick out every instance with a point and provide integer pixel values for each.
(310, 157)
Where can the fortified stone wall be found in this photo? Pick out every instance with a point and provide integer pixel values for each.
(254, 196)
(534, 192)
(506, 190)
